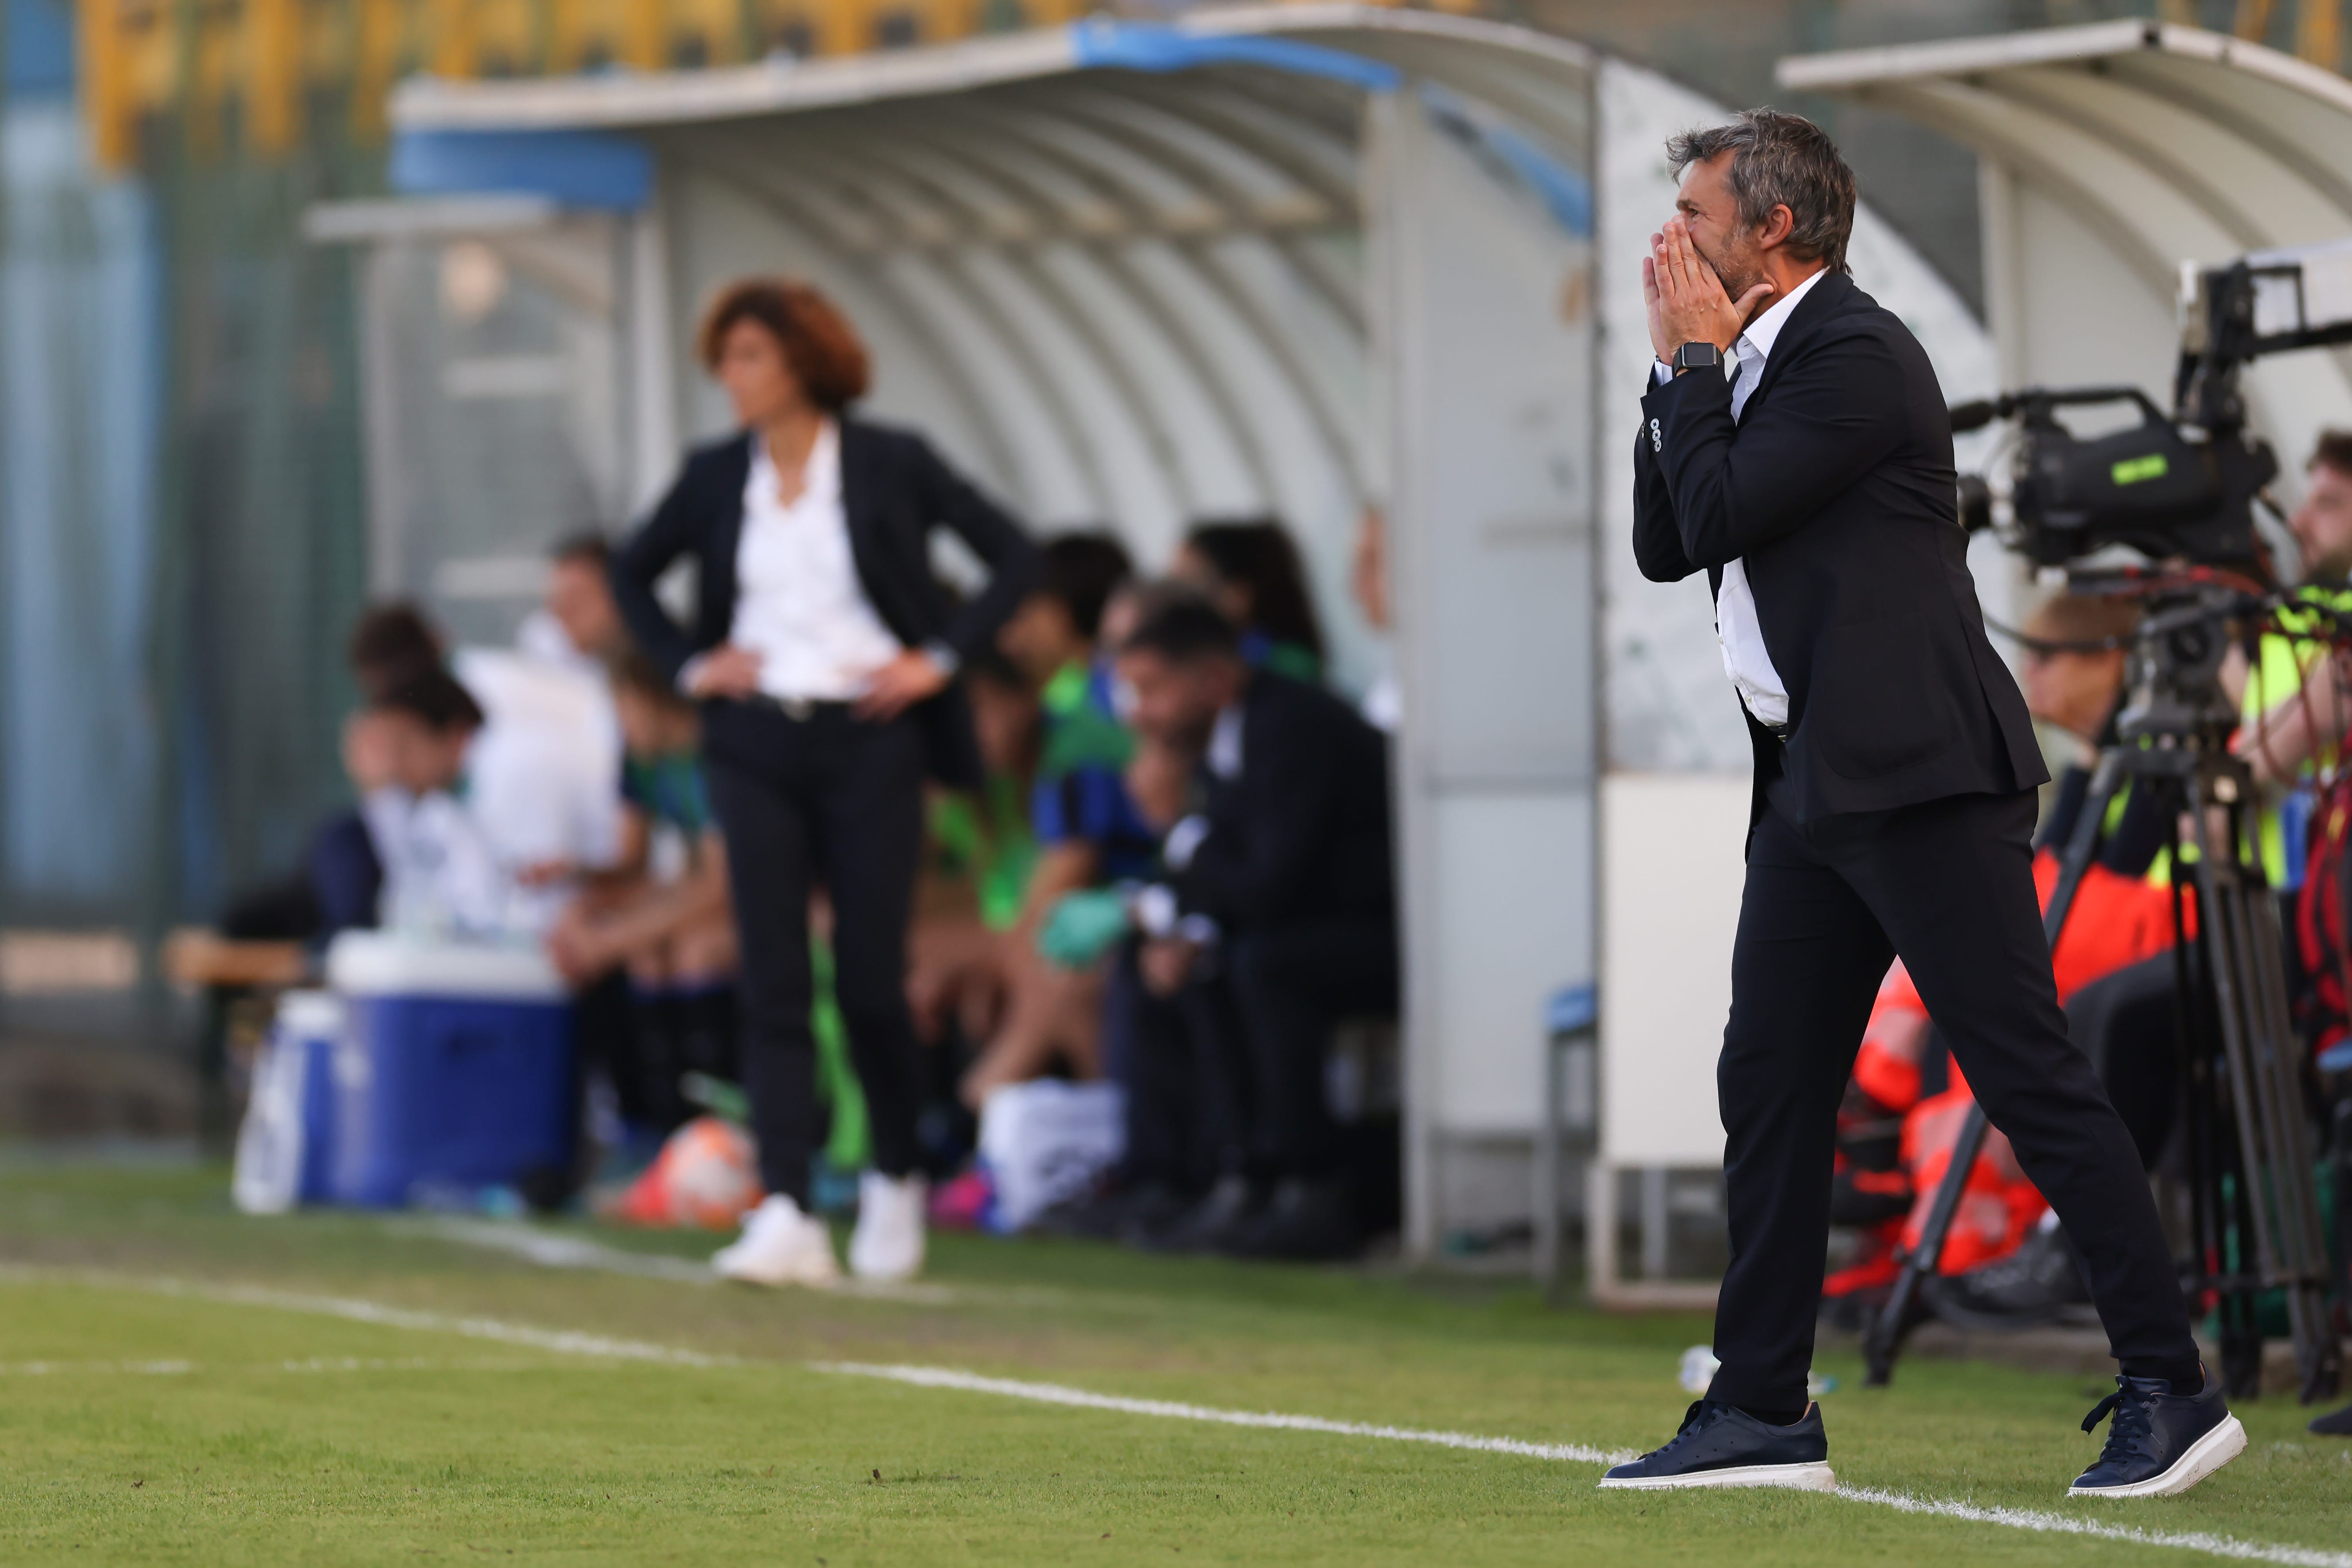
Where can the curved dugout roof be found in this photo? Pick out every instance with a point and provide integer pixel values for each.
(2157, 144)
(1141, 293)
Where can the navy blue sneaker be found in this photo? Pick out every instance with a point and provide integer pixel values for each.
(2161, 1443)
(1723, 1445)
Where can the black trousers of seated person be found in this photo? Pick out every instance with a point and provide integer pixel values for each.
(1290, 986)
(833, 800)
(2129, 1024)
(1949, 885)
(1178, 1059)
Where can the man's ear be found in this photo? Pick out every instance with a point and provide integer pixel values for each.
(1776, 228)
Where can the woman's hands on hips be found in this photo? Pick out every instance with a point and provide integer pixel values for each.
(910, 679)
(726, 670)
(1685, 296)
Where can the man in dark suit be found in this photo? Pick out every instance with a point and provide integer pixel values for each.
(1795, 446)
(1276, 918)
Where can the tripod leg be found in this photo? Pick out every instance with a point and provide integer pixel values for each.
(2342, 1169)
(1884, 1340)
(2293, 1188)
(2272, 1172)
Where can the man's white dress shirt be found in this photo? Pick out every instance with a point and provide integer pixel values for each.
(1745, 659)
(798, 601)
(540, 775)
(442, 879)
(1155, 906)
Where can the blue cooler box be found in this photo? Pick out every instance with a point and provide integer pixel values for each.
(453, 1068)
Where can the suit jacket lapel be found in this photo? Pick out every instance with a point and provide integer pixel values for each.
(859, 500)
(857, 482)
(1826, 299)
(718, 566)
(861, 511)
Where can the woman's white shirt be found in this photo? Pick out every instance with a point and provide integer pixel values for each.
(798, 600)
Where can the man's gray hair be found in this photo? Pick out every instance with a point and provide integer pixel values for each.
(1781, 160)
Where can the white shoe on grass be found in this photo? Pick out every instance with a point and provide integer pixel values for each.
(779, 1245)
(888, 1243)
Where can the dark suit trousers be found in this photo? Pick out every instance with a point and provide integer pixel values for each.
(1291, 983)
(833, 801)
(1179, 1061)
(1949, 885)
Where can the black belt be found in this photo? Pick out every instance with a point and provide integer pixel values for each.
(800, 708)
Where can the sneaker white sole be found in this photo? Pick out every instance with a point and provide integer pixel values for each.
(818, 1271)
(896, 1265)
(813, 1278)
(1806, 1478)
(2205, 1456)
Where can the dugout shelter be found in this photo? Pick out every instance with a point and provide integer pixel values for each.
(1306, 259)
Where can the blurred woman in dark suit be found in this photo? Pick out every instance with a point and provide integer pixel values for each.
(825, 654)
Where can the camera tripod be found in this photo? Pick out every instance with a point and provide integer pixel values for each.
(2253, 1195)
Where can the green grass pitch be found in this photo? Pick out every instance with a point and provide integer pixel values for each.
(159, 1404)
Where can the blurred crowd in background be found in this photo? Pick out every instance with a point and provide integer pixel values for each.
(554, 793)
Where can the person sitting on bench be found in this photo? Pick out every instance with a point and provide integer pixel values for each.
(1279, 894)
(660, 912)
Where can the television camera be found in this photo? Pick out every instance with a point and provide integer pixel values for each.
(2182, 485)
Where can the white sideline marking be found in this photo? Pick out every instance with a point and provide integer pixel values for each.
(2066, 1525)
(1941, 1507)
(563, 1342)
(1055, 1394)
(566, 1342)
(312, 1364)
(552, 1249)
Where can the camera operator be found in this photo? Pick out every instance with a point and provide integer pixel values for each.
(2294, 701)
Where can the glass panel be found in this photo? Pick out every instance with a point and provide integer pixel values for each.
(494, 429)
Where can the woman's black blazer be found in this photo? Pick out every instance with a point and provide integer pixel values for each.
(894, 492)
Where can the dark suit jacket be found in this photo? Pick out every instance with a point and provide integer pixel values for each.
(1302, 833)
(894, 490)
(346, 875)
(1837, 489)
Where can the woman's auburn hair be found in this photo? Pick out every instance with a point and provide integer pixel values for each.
(827, 355)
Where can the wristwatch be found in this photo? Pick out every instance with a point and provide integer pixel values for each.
(1697, 356)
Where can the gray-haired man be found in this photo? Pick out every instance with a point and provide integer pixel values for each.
(1795, 446)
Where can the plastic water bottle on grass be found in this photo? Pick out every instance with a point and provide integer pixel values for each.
(495, 1201)
(1699, 1367)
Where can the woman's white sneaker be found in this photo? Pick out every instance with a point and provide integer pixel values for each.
(779, 1245)
(888, 1243)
